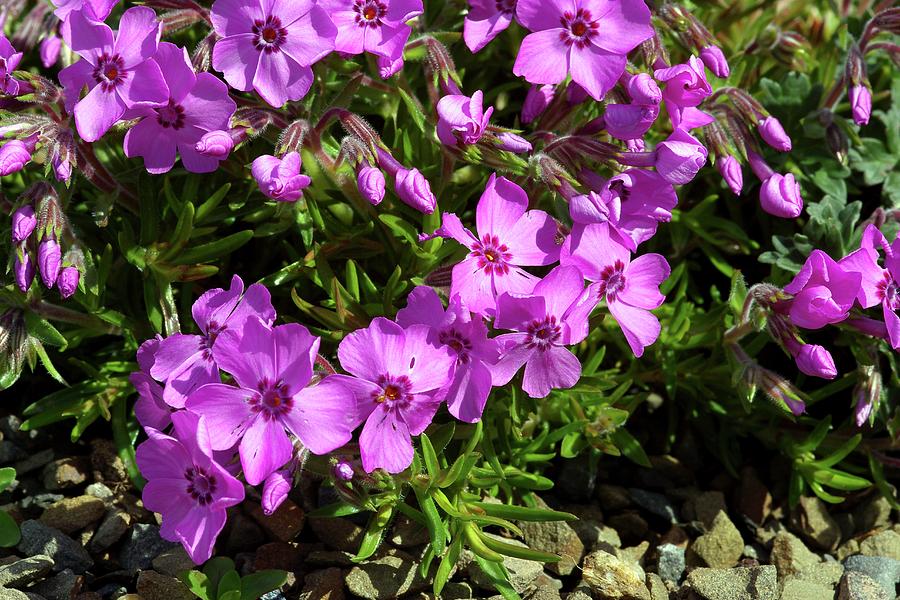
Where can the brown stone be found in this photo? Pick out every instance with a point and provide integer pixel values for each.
(284, 524)
(753, 497)
(155, 586)
(327, 584)
(278, 555)
(71, 514)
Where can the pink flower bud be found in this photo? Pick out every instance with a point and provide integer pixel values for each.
(861, 104)
(370, 182)
(343, 470)
(23, 269)
(536, 102)
(23, 223)
(714, 60)
(276, 489)
(49, 261)
(388, 67)
(780, 196)
(643, 89)
(215, 144)
(414, 190)
(731, 172)
(49, 51)
(629, 121)
(679, 157)
(67, 281)
(513, 143)
(816, 361)
(280, 178)
(14, 156)
(773, 133)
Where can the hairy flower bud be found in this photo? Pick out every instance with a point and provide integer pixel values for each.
(815, 361)
(23, 223)
(860, 103)
(714, 59)
(679, 157)
(629, 121)
(773, 133)
(49, 261)
(343, 470)
(23, 269)
(780, 196)
(216, 144)
(536, 102)
(14, 155)
(513, 143)
(731, 172)
(370, 182)
(412, 187)
(643, 89)
(67, 281)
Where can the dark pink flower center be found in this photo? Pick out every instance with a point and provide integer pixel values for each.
(201, 485)
(457, 342)
(612, 280)
(492, 256)
(269, 34)
(171, 115)
(888, 291)
(369, 13)
(213, 329)
(395, 391)
(109, 72)
(579, 28)
(543, 333)
(274, 401)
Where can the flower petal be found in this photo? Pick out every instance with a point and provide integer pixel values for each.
(594, 69)
(624, 24)
(371, 352)
(310, 37)
(542, 57)
(264, 448)
(324, 415)
(643, 277)
(97, 112)
(641, 327)
(149, 140)
(513, 354)
(138, 37)
(249, 355)
(225, 409)
(236, 58)
(554, 368)
(385, 443)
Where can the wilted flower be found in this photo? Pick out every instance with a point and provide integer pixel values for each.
(280, 178)
(276, 488)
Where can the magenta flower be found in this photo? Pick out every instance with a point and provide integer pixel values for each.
(588, 39)
(401, 380)
(197, 104)
(272, 367)
(633, 203)
(466, 338)
(643, 89)
(414, 190)
(370, 182)
(119, 69)
(715, 61)
(150, 409)
(216, 144)
(511, 142)
(185, 362)
(680, 157)
(9, 61)
(536, 102)
(270, 46)
(280, 178)
(49, 260)
(49, 50)
(24, 270)
(878, 285)
(97, 10)
(375, 26)
(780, 196)
(814, 360)
(731, 172)
(823, 292)
(276, 489)
(24, 222)
(772, 132)
(686, 83)
(554, 315)
(67, 281)
(14, 155)
(509, 237)
(629, 121)
(860, 103)
(630, 287)
(186, 486)
(485, 20)
(462, 120)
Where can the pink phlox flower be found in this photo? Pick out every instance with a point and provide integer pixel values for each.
(588, 39)
(118, 68)
(485, 20)
(269, 46)
(462, 120)
(878, 285)
(184, 362)
(823, 292)
(198, 104)
(95, 9)
(509, 237)
(554, 315)
(630, 287)
(186, 485)
(400, 379)
(272, 367)
(686, 87)
(280, 178)
(466, 337)
(150, 409)
(9, 61)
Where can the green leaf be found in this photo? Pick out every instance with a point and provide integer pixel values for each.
(213, 250)
(44, 331)
(413, 109)
(7, 476)
(887, 490)
(215, 569)
(199, 584)
(230, 583)
(518, 551)
(521, 513)
(498, 577)
(9, 531)
(436, 530)
(629, 447)
(262, 582)
(430, 457)
(335, 509)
